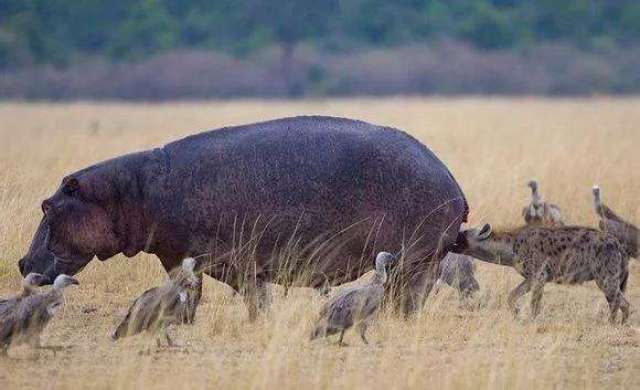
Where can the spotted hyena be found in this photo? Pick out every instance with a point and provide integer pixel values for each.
(564, 255)
(540, 212)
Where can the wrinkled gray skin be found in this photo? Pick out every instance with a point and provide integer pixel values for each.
(333, 191)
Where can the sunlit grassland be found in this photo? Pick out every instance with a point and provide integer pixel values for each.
(492, 146)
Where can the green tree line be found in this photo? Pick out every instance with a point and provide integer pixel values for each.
(61, 31)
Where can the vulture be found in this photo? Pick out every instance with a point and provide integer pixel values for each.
(25, 321)
(539, 211)
(170, 304)
(458, 271)
(354, 306)
(30, 285)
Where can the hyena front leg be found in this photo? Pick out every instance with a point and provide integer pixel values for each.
(517, 292)
(537, 291)
(536, 297)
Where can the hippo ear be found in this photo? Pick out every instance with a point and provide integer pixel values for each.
(484, 232)
(70, 184)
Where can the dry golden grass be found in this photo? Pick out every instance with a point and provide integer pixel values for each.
(493, 146)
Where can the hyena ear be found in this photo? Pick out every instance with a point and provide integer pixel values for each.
(485, 232)
(70, 184)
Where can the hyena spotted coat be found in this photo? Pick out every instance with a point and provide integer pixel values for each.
(565, 255)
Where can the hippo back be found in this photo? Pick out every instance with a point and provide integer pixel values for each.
(307, 180)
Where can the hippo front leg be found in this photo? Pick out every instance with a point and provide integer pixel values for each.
(253, 288)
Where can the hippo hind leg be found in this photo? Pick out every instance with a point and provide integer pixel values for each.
(256, 298)
(410, 288)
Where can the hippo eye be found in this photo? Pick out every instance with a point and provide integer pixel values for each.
(69, 191)
(70, 185)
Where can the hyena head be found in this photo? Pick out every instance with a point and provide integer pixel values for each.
(480, 242)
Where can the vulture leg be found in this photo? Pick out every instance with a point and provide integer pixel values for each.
(340, 342)
(362, 327)
(164, 333)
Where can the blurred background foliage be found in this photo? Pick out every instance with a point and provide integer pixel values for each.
(53, 37)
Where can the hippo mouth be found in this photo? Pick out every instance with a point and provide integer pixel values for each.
(55, 267)
(66, 261)
(26, 267)
(68, 266)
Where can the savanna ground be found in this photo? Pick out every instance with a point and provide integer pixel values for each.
(492, 146)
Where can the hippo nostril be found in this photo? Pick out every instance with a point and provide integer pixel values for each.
(46, 206)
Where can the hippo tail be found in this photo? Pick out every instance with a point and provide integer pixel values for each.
(458, 245)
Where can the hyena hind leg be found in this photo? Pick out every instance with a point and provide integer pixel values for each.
(616, 300)
(624, 308)
(614, 305)
(613, 298)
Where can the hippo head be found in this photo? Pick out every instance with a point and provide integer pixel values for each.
(41, 260)
(78, 224)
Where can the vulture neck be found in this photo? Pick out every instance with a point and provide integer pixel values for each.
(28, 289)
(380, 276)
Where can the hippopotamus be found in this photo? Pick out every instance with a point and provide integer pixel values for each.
(308, 198)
